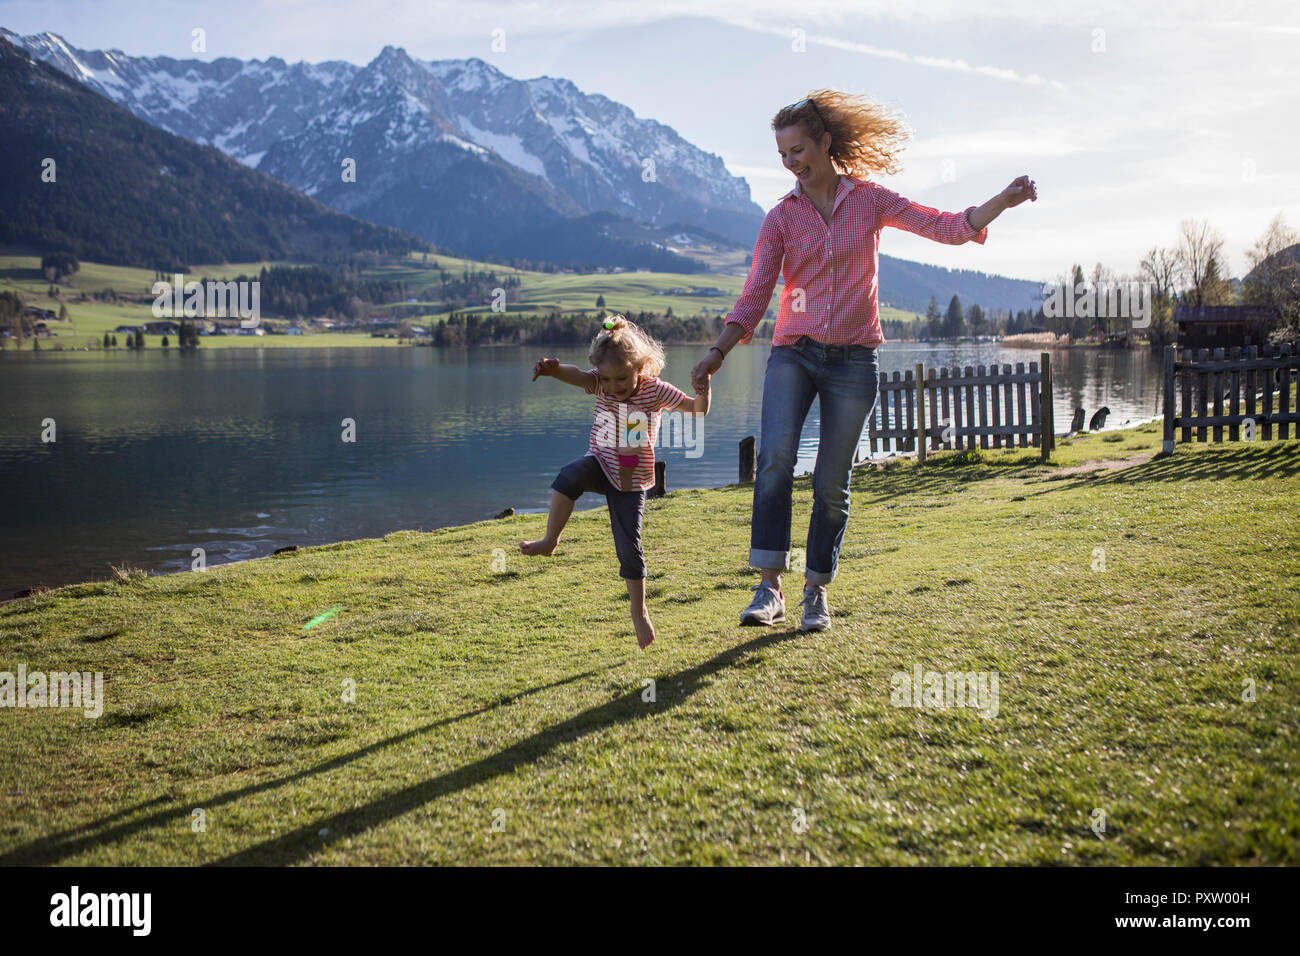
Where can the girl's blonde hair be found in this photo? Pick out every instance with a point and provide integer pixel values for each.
(866, 137)
(627, 342)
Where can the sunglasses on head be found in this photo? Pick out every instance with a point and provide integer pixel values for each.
(802, 103)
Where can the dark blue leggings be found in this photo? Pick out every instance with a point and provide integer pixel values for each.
(625, 509)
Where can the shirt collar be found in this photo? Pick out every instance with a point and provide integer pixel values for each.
(848, 184)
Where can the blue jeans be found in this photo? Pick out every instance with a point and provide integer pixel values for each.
(845, 379)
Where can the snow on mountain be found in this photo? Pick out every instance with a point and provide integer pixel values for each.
(538, 150)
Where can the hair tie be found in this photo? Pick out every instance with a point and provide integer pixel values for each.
(609, 324)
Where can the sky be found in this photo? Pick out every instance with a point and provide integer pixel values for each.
(1131, 117)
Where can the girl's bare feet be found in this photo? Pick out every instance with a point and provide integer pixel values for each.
(645, 631)
(540, 546)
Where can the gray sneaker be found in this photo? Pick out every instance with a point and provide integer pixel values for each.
(816, 616)
(768, 607)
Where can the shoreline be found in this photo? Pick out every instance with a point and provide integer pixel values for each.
(869, 462)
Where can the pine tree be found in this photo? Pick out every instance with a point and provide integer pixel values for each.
(106, 342)
(932, 319)
(953, 321)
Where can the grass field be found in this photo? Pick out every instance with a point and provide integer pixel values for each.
(540, 291)
(1141, 614)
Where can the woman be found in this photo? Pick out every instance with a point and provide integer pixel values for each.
(823, 237)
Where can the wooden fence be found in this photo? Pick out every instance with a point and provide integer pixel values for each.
(978, 406)
(985, 407)
(1232, 389)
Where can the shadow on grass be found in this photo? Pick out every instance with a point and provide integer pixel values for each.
(298, 844)
(936, 477)
(19, 274)
(304, 841)
(51, 849)
(1223, 463)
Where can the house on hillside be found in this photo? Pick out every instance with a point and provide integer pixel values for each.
(1222, 326)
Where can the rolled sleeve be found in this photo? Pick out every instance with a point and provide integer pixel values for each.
(753, 303)
(670, 396)
(952, 228)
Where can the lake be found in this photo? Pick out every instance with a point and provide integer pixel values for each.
(239, 451)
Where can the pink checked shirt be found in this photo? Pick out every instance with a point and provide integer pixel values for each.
(834, 266)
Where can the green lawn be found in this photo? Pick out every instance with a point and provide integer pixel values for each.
(500, 713)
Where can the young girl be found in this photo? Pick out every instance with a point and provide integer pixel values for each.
(620, 459)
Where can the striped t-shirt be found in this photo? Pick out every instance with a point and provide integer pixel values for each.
(629, 426)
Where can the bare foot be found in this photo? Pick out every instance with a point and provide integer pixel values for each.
(540, 546)
(645, 631)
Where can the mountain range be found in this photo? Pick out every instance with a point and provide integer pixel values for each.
(82, 175)
(488, 166)
(452, 150)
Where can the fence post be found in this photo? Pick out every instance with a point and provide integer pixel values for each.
(1168, 446)
(921, 439)
(661, 480)
(747, 459)
(1047, 440)
(1284, 393)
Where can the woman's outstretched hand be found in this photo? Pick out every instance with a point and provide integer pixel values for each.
(546, 366)
(1021, 188)
(711, 362)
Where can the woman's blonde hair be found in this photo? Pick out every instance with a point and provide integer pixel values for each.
(866, 137)
(626, 341)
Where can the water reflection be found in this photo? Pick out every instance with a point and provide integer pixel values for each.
(241, 451)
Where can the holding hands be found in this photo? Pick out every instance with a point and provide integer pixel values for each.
(703, 397)
(704, 369)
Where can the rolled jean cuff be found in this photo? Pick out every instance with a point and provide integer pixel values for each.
(818, 577)
(767, 560)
